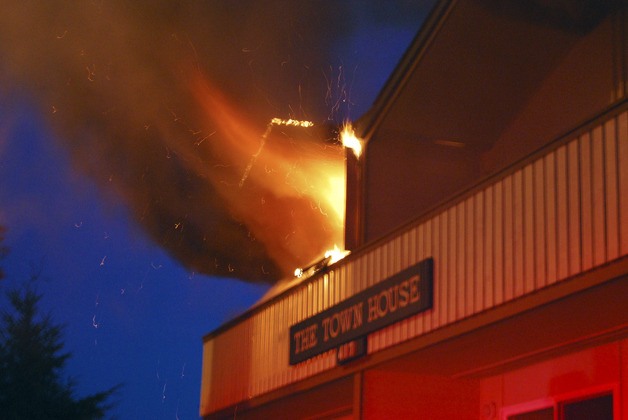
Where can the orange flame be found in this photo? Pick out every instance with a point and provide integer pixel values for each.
(293, 199)
(335, 254)
(350, 140)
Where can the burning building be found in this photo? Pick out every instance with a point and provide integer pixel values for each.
(487, 219)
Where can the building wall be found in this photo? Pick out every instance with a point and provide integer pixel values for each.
(333, 400)
(407, 395)
(549, 219)
(414, 172)
(557, 216)
(588, 79)
(575, 375)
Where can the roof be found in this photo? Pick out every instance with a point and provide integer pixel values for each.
(473, 65)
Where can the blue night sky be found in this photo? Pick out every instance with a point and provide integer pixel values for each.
(132, 313)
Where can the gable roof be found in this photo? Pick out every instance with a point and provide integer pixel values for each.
(473, 65)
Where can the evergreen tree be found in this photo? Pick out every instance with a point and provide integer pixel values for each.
(31, 364)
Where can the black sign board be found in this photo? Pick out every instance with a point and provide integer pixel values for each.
(405, 294)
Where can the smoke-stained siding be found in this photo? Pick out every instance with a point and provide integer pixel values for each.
(564, 213)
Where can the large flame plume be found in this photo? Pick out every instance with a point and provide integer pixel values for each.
(288, 188)
(120, 84)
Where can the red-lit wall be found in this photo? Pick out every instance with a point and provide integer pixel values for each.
(576, 375)
(580, 374)
(390, 394)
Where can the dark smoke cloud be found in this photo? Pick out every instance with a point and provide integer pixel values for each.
(118, 81)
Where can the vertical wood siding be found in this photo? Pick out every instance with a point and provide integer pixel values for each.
(564, 213)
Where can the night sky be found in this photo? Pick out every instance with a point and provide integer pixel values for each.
(96, 129)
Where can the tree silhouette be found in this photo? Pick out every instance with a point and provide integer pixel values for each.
(31, 364)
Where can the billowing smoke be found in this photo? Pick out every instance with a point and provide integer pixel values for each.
(168, 104)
